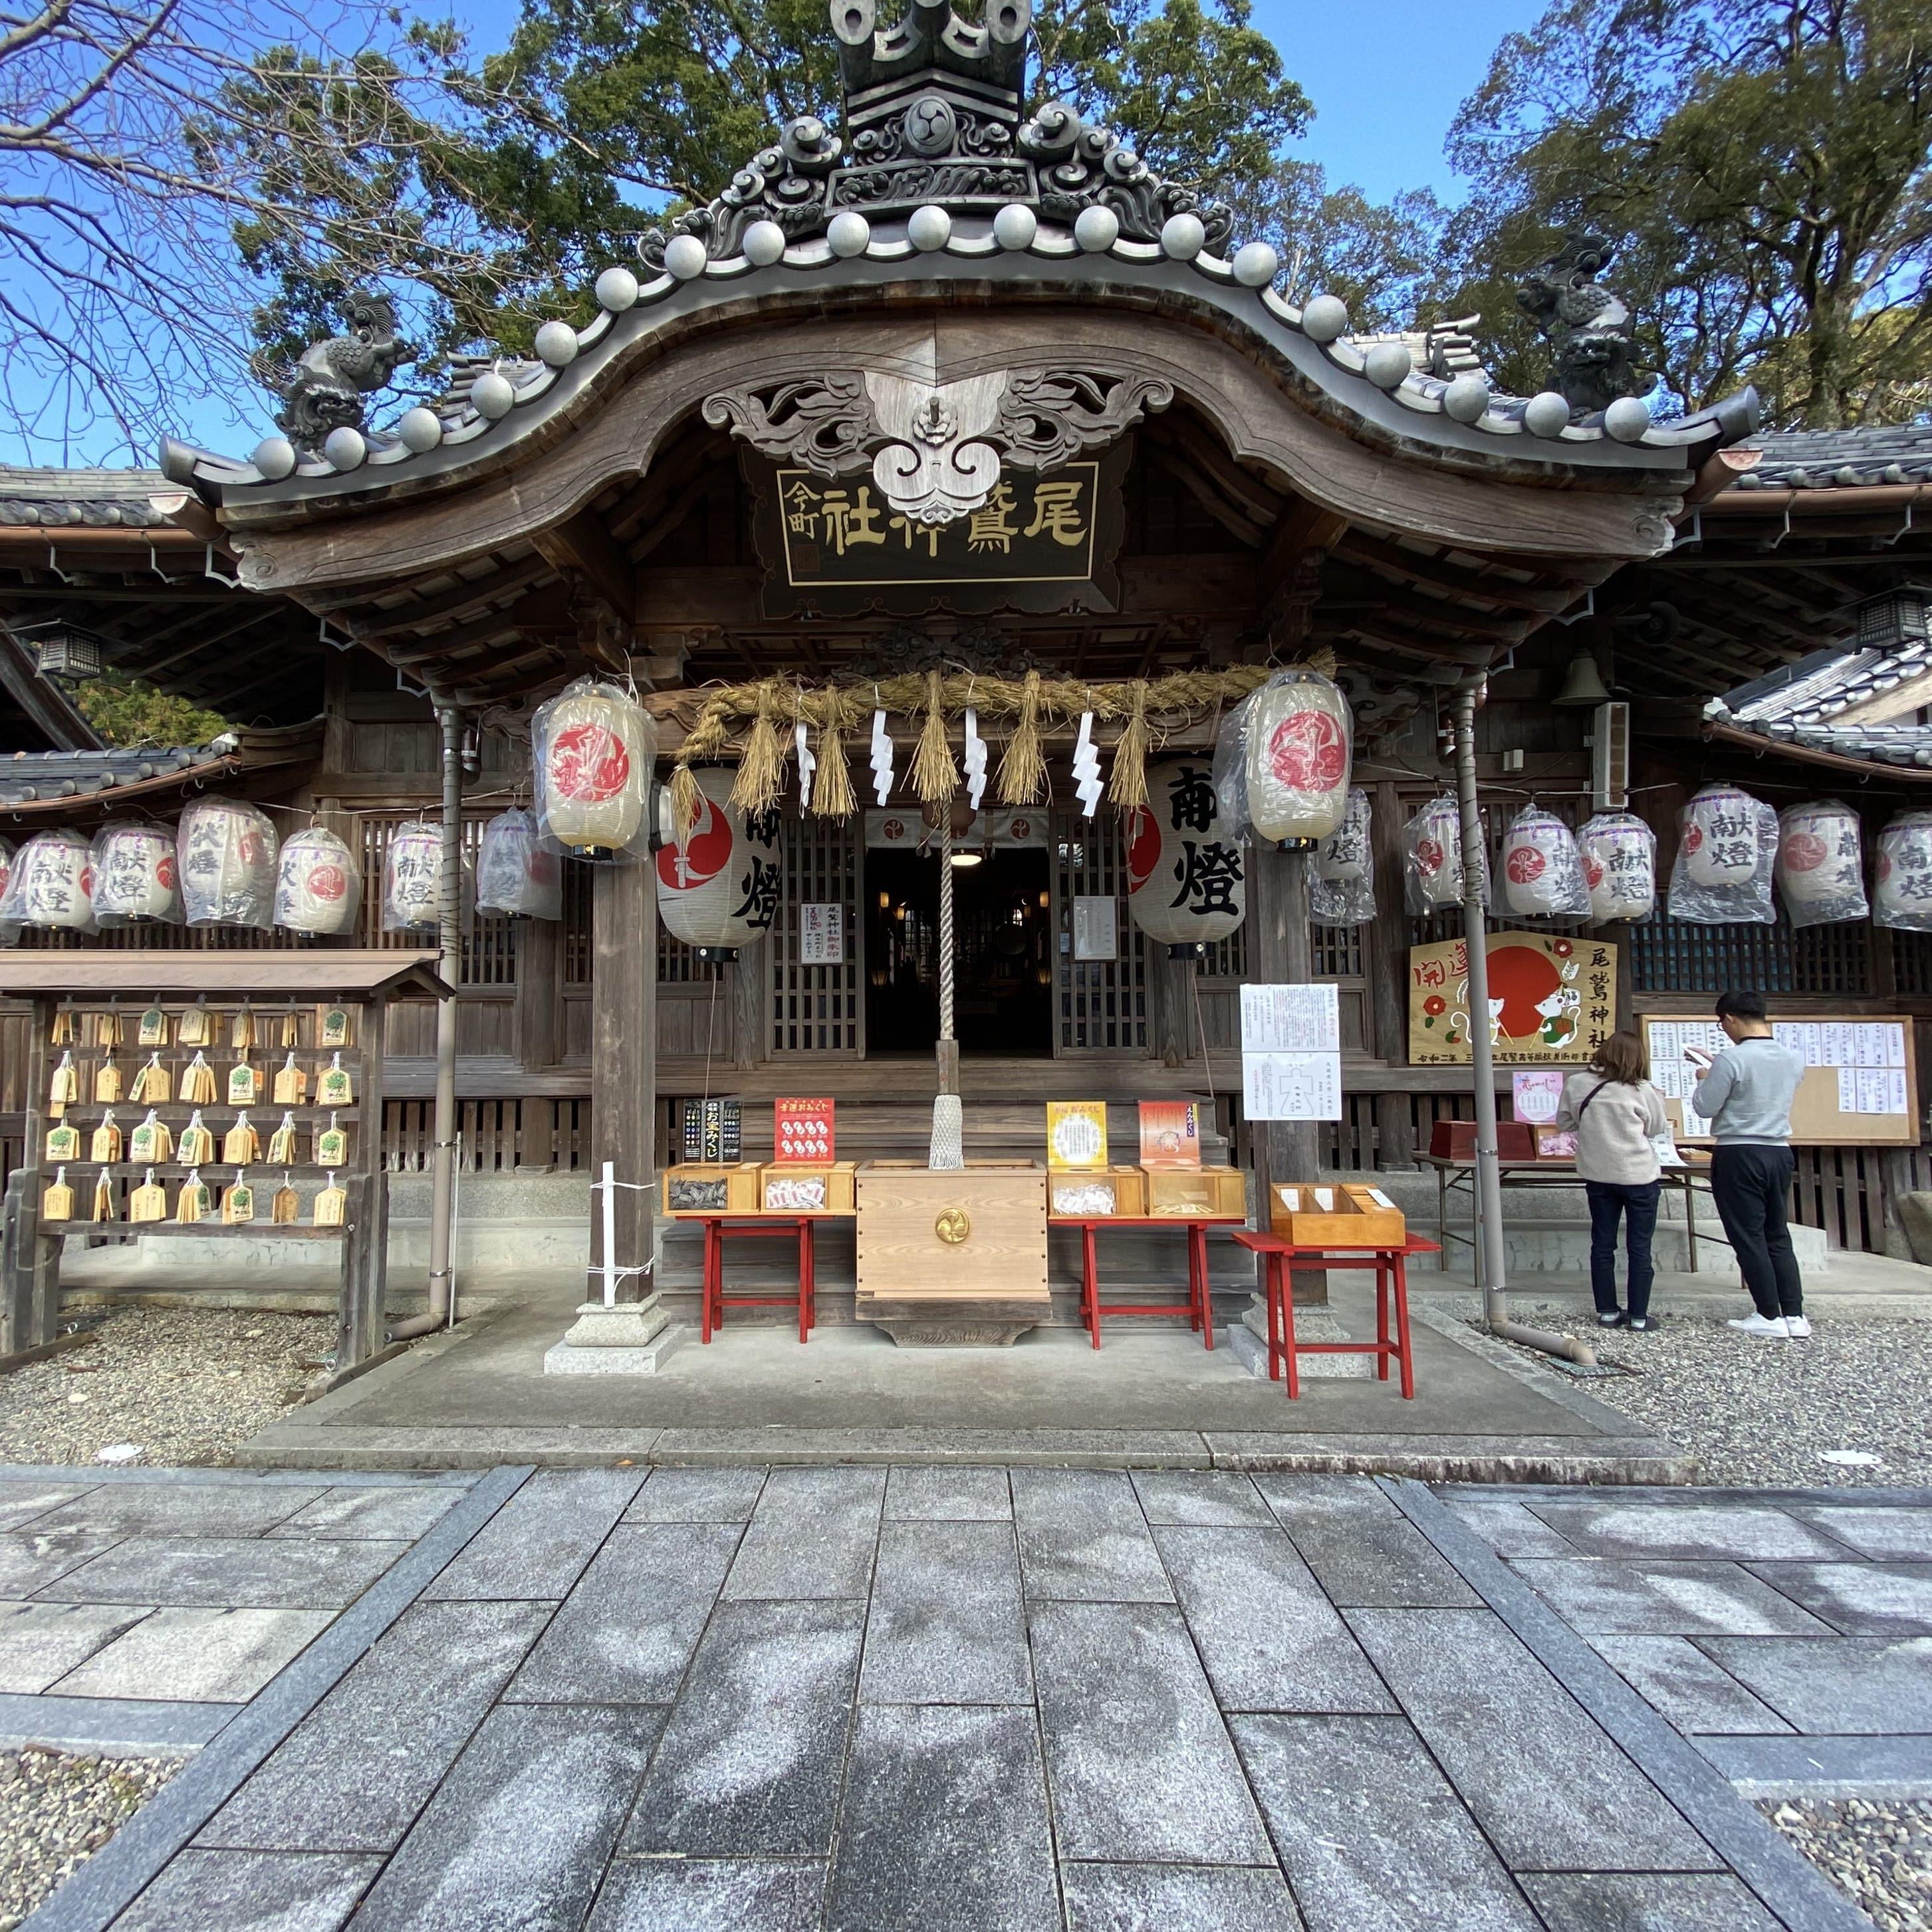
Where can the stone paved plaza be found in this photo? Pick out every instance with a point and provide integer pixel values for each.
(970, 1698)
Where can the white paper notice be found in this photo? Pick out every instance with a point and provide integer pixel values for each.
(1848, 1090)
(1895, 1049)
(1894, 1089)
(1292, 1086)
(821, 935)
(1096, 926)
(1292, 1019)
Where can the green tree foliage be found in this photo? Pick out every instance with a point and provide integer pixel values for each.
(127, 713)
(1764, 164)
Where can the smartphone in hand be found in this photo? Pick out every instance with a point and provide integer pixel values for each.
(1699, 1057)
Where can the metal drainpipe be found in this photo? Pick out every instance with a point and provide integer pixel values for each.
(1489, 1172)
(449, 965)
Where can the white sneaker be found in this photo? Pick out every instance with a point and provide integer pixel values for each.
(1797, 1327)
(1755, 1324)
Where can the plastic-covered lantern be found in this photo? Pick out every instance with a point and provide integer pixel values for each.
(515, 873)
(135, 879)
(1432, 847)
(594, 749)
(1342, 892)
(1821, 869)
(1542, 870)
(319, 887)
(52, 884)
(411, 869)
(227, 853)
(1186, 883)
(718, 890)
(1619, 866)
(1903, 898)
(1725, 857)
(1299, 742)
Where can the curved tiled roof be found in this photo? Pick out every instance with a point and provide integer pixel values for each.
(1827, 459)
(83, 499)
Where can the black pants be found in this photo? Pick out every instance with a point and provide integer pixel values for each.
(1610, 1202)
(1752, 1187)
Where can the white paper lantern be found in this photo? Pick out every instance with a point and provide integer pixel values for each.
(1904, 896)
(1433, 849)
(1185, 886)
(718, 890)
(318, 885)
(1542, 870)
(412, 869)
(52, 884)
(1342, 892)
(1619, 866)
(135, 879)
(1720, 837)
(226, 853)
(514, 872)
(594, 749)
(1299, 736)
(1821, 869)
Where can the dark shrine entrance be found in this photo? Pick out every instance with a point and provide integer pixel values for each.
(1002, 926)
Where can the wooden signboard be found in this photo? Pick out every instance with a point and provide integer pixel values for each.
(1861, 1083)
(1553, 999)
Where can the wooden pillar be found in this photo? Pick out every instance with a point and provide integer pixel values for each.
(29, 1256)
(1174, 1041)
(623, 1064)
(749, 1004)
(538, 1016)
(365, 1248)
(1385, 960)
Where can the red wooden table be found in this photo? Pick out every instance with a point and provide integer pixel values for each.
(719, 1228)
(1199, 1305)
(1391, 1267)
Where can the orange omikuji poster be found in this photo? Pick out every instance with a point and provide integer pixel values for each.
(1553, 999)
(802, 1130)
(1170, 1134)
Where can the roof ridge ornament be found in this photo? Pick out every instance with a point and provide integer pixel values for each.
(1587, 324)
(324, 390)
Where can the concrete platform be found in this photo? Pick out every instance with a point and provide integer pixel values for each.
(1149, 1397)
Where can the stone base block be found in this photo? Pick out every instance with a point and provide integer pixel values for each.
(630, 1324)
(562, 1359)
(1248, 1338)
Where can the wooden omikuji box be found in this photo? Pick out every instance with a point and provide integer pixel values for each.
(712, 1187)
(1219, 1193)
(937, 1234)
(1125, 1188)
(1342, 1215)
(794, 1180)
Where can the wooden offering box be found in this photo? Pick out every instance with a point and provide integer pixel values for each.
(1124, 1190)
(1340, 1215)
(802, 1187)
(1215, 1193)
(975, 1234)
(712, 1187)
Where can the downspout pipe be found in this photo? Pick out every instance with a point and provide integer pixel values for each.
(1489, 1169)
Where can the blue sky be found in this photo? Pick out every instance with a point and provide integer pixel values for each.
(1385, 84)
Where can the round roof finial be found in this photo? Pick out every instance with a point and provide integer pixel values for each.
(421, 430)
(616, 290)
(1096, 228)
(849, 233)
(1183, 236)
(764, 244)
(1627, 420)
(275, 457)
(929, 228)
(556, 344)
(1256, 265)
(685, 256)
(1325, 319)
(492, 395)
(345, 448)
(1388, 364)
(1014, 226)
(1467, 398)
(1547, 414)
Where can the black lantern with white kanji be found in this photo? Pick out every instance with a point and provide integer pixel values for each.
(1186, 882)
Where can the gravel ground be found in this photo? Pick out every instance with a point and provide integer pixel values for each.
(1881, 1854)
(183, 1385)
(1760, 1412)
(56, 1810)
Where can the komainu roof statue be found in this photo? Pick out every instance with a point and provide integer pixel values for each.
(325, 390)
(1588, 325)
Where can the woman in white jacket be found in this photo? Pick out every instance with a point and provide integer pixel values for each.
(1615, 1114)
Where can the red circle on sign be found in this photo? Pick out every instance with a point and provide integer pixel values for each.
(164, 871)
(327, 882)
(1804, 852)
(1593, 872)
(87, 880)
(704, 854)
(588, 763)
(1694, 837)
(1526, 862)
(1143, 847)
(1307, 750)
(1521, 977)
(1435, 1005)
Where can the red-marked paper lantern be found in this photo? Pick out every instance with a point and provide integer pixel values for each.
(136, 881)
(718, 890)
(516, 874)
(1186, 886)
(319, 884)
(1903, 898)
(51, 885)
(1432, 844)
(1542, 870)
(595, 748)
(1300, 738)
(412, 871)
(1619, 866)
(1821, 863)
(226, 852)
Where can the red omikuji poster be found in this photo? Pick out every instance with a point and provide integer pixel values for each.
(802, 1130)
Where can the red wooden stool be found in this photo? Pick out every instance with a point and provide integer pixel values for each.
(1199, 1305)
(1391, 1267)
(717, 1231)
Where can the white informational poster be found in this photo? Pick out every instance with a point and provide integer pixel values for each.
(821, 935)
(1096, 926)
(1280, 1086)
(1292, 1019)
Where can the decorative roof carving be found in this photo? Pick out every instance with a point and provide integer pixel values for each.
(325, 390)
(932, 117)
(1588, 325)
(936, 450)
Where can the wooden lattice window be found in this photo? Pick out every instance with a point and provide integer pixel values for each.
(1912, 963)
(1670, 955)
(817, 1009)
(489, 939)
(1100, 1005)
(679, 965)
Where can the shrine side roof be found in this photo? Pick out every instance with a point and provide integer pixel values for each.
(82, 498)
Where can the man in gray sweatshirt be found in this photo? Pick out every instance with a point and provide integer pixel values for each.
(1746, 1093)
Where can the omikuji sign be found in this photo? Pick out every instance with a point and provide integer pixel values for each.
(1552, 998)
(841, 533)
